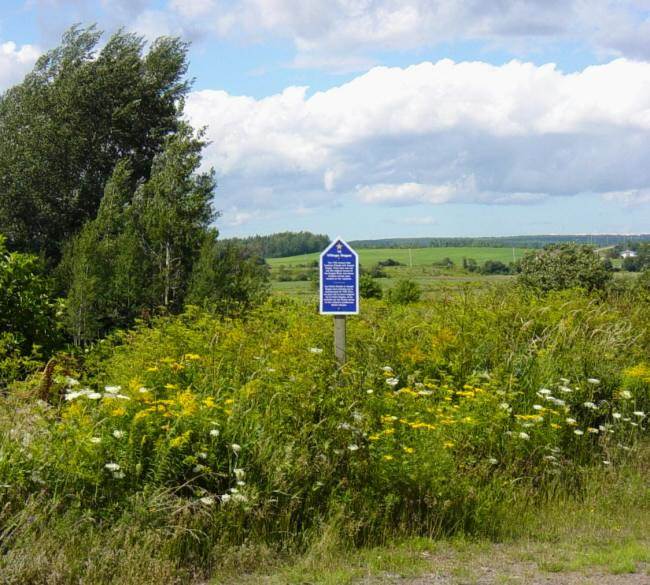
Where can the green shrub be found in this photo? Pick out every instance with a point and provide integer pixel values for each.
(405, 292)
(369, 288)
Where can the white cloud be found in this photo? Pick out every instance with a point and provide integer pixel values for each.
(15, 62)
(629, 198)
(434, 133)
(343, 34)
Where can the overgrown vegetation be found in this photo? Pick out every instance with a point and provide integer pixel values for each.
(220, 433)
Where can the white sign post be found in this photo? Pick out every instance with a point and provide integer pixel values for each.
(339, 289)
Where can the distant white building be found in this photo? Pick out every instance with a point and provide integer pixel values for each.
(628, 254)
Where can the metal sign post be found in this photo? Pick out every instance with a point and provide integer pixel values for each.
(339, 289)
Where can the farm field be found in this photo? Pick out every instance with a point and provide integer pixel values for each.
(416, 256)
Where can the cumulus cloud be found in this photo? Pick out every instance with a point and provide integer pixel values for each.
(15, 62)
(435, 133)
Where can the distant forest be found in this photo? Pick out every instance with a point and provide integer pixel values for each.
(295, 243)
(600, 240)
(283, 244)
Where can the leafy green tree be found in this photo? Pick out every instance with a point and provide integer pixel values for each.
(405, 292)
(173, 210)
(227, 276)
(64, 128)
(494, 267)
(369, 288)
(561, 266)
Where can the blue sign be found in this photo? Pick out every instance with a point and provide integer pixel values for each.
(339, 280)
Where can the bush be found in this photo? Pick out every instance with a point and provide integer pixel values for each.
(405, 292)
(369, 288)
(494, 267)
(562, 266)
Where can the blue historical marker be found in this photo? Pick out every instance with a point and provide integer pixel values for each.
(339, 280)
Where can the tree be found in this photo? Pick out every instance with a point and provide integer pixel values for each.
(227, 276)
(405, 292)
(64, 128)
(494, 267)
(369, 288)
(139, 252)
(561, 266)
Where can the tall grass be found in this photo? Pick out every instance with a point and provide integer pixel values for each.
(190, 437)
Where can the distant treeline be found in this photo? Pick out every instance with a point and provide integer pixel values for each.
(284, 244)
(600, 240)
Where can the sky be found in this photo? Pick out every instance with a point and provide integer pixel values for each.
(387, 118)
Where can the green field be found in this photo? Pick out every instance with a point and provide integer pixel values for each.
(414, 257)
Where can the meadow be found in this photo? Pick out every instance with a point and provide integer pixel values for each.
(200, 447)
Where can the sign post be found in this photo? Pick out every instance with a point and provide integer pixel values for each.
(339, 289)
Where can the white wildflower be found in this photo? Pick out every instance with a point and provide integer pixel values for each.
(202, 455)
(590, 405)
(592, 430)
(493, 461)
(112, 389)
(315, 350)
(538, 407)
(214, 433)
(207, 501)
(545, 391)
(607, 462)
(639, 413)
(95, 440)
(235, 448)
(370, 391)
(392, 381)
(593, 381)
(240, 474)
(353, 447)
(71, 381)
(571, 421)
(616, 415)
(118, 475)
(524, 436)
(143, 390)
(504, 406)
(239, 498)
(565, 389)
(564, 380)
(118, 434)
(387, 369)
(225, 498)
(626, 394)
(578, 432)
(94, 395)
(112, 466)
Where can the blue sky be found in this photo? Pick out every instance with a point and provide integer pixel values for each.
(377, 118)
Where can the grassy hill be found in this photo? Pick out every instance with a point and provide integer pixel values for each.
(418, 256)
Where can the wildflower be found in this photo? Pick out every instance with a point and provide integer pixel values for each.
(207, 501)
(388, 458)
(616, 415)
(564, 380)
(214, 433)
(118, 434)
(95, 440)
(387, 369)
(626, 394)
(112, 466)
(593, 381)
(112, 389)
(602, 428)
(225, 498)
(198, 468)
(315, 350)
(239, 473)
(448, 444)
(578, 432)
(408, 449)
(71, 382)
(504, 406)
(524, 436)
(94, 395)
(235, 448)
(592, 430)
(202, 455)
(239, 498)
(571, 421)
(493, 461)
(606, 462)
(550, 457)
(118, 475)
(565, 389)
(143, 390)
(639, 413)
(544, 391)
(370, 391)
(353, 447)
(344, 426)
(392, 381)
(590, 405)
(538, 407)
